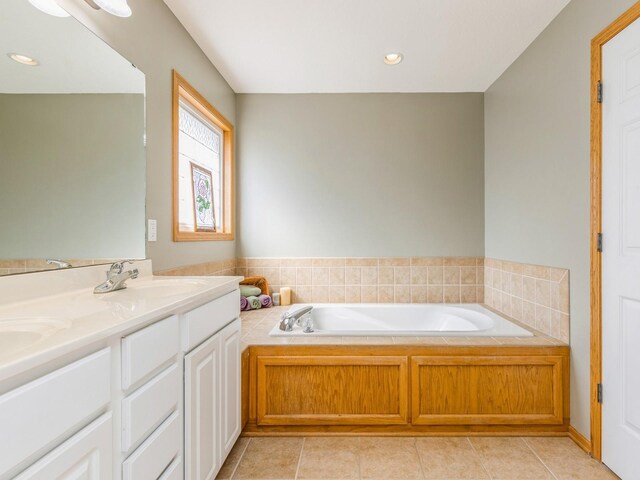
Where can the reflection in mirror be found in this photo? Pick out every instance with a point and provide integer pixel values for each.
(72, 158)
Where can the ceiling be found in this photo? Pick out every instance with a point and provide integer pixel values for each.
(302, 46)
(72, 59)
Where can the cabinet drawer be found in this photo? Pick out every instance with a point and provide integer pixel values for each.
(42, 413)
(145, 351)
(156, 452)
(147, 407)
(204, 321)
(85, 455)
(173, 471)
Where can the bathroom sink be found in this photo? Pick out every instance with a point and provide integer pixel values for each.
(18, 333)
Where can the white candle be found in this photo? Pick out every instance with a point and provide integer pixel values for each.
(285, 296)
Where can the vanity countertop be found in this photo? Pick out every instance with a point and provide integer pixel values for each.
(41, 329)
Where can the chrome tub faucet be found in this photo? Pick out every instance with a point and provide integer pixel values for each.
(116, 278)
(289, 319)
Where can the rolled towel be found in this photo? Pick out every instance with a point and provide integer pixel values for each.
(265, 300)
(244, 304)
(249, 291)
(254, 302)
(257, 281)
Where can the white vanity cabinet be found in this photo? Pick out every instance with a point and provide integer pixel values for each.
(212, 388)
(158, 402)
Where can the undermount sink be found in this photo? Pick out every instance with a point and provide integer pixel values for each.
(17, 333)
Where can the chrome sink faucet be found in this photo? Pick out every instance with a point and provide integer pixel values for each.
(289, 319)
(116, 278)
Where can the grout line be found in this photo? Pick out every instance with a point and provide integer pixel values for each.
(539, 459)
(304, 439)
(481, 458)
(233, 473)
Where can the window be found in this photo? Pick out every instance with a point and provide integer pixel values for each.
(202, 168)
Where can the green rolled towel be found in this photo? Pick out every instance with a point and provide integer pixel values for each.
(254, 302)
(249, 291)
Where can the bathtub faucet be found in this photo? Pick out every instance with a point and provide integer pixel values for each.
(289, 319)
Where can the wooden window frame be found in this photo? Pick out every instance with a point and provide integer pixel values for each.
(183, 90)
(622, 22)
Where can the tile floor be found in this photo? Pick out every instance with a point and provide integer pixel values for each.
(389, 458)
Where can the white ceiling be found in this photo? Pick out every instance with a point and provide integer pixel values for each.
(72, 59)
(296, 46)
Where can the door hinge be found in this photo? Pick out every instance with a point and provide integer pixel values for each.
(599, 394)
(599, 90)
(599, 242)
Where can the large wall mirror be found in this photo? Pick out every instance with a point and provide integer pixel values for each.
(72, 154)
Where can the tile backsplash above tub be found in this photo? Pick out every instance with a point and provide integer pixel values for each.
(373, 280)
(535, 295)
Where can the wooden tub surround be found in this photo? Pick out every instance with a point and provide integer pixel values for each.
(406, 390)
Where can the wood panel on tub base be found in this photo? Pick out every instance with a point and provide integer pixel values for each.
(407, 390)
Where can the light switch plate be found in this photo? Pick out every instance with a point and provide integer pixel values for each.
(152, 230)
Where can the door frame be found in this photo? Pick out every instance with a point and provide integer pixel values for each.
(597, 43)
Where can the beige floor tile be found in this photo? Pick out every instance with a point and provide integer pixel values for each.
(230, 464)
(567, 461)
(329, 458)
(509, 458)
(270, 458)
(445, 458)
(389, 458)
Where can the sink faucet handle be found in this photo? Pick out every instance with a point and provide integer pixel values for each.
(118, 267)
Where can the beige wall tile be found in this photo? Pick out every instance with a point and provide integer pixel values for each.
(529, 289)
(480, 293)
(516, 308)
(427, 261)
(385, 294)
(302, 294)
(361, 262)
(529, 313)
(296, 262)
(394, 261)
(303, 276)
(468, 275)
(452, 294)
(419, 276)
(564, 294)
(516, 285)
(460, 261)
(352, 294)
(320, 275)
(402, 275)
(385, 276)
(327, 262)
(337, 276)
(419, 294)
(402, 294)
(543, 319)
(468, 294)
(319, 294)
(272, 275)
(352, 276)
(542, 292)
(369, 275)
(369, 294)
(436, 275)
(452, 275)
(288, 276)
(337, 294)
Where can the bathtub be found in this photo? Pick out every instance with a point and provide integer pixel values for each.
(466, 320)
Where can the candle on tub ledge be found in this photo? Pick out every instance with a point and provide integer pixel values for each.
(285, 296)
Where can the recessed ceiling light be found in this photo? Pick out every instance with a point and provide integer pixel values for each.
(23, 59)
(393, 58)
(49, 6)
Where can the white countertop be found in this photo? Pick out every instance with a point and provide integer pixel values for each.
(37, 330)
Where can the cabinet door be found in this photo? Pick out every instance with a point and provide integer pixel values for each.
(202, 410)
(86, 455)
(230, 392)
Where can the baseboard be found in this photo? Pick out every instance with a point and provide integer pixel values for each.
(580, 440)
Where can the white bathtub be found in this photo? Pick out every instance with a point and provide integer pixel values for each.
(467, 320)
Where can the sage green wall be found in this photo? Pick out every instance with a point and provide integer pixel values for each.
(360, 174)
(71, 167)
(537, 166)
(155, 41)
